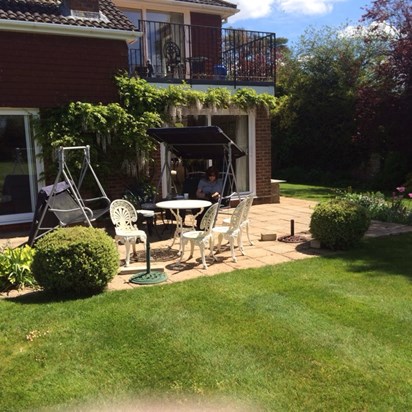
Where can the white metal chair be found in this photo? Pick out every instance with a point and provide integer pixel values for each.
(244, 225)
(123, 215)
(233, 231)
(202, 238)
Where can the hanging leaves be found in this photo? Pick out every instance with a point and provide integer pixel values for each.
(121, 129)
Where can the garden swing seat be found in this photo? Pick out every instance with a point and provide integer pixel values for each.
(61, 204)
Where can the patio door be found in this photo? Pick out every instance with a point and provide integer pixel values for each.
(136, 53)
(162, 28)
(241, 129)
(18, 168)
(236, 128)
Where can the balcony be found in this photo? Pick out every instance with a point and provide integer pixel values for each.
(173, 53)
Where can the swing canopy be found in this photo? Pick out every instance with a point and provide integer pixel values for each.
(201, 142)
(197, 142)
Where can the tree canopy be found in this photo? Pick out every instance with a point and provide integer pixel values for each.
(384, 100)
(345, 98)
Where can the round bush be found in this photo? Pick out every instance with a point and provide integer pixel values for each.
(339, 224)
(78, 260)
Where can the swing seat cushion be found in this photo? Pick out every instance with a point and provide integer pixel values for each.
(67, 210)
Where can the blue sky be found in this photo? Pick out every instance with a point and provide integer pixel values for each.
(290, 18)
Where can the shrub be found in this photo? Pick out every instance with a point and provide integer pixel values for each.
(15, 270)
(78, 260)
(339, 224)
(379, 208)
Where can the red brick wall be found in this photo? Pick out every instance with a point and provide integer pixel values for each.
(46, 71)
(116, 184)
(263, 157)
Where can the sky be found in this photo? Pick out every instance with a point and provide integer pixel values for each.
(290, 18)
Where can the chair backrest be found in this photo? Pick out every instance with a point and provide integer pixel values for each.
(237, 216)
(172, 52)
(123, 214)
(248, 205)
(209, 218)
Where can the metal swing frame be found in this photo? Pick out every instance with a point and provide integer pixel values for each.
(64, 199)
(200, 142)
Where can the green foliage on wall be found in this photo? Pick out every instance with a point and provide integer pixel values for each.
(106, 128)
(138, 96)
(121, 128)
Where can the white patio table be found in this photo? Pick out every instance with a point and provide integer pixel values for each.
(174, 206)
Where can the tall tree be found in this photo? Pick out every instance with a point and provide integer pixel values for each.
(314, 123)
(385, 97)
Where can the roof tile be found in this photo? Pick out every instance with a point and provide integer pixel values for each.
(219, 3)
(52, 11)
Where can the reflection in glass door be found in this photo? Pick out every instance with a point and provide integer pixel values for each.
(136, 53)
(18, 174)
(236, 128)
(165, 28)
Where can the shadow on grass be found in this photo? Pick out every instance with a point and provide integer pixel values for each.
(306, 249)
(383, 256)
(42, 296)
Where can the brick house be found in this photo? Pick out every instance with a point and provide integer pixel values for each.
(54, 52)
(58, 51)
(184, 40)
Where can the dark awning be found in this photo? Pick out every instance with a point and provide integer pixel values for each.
(197, 142)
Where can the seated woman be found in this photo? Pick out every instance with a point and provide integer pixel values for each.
(209, 188)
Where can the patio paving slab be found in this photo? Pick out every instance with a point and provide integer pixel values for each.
(268, 218)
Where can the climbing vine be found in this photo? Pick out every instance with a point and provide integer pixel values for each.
(115, 136)
(120, 129)
(138, 96)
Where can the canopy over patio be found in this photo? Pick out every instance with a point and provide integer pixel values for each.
(201, 142)
(197, 142)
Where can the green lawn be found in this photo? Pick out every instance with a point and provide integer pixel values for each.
(307, 192)
(326, 334)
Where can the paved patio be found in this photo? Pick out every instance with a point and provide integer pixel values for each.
(265, 221)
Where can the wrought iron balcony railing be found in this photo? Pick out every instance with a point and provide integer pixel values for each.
(177, 52)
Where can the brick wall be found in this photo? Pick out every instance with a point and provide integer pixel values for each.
(263, 157)
(201, 19)
(47, 71)
(116, 184)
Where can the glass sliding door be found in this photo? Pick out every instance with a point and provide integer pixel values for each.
(240, 129)
(165, 29)
(18, 169)
(236, 128)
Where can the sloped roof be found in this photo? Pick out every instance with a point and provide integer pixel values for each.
(53, 12)
(218, 3)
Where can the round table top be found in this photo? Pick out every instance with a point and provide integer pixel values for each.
(183, 204)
